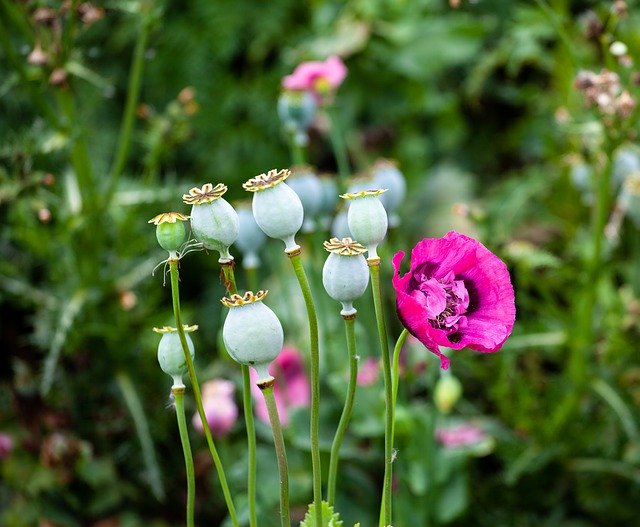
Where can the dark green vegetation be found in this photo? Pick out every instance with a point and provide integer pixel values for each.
(479, 105)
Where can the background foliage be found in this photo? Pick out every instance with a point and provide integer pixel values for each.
(479, 106)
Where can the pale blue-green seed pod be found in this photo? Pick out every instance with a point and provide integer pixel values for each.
(277, 209)
(447, 393)
(340, 225)
(252, 332)
(387, 175)
(214, 222)
(345, 274)
(170, 353)
(170, 231)
(367, 219)
(250, 236)
(306, 184)
(297, 110)
(329, 199)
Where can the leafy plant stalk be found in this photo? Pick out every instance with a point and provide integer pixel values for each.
(296, 261)
(178, 394)
(173, 268)
(349, 324)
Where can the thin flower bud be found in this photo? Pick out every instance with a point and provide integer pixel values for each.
(277, 209)
(252, 332)
(345, 274)
(170, 354)
(387, 175)
(250, 236)
(170, 231)
(307, 186)
(367, 219)
(213, 221)
(447, 393)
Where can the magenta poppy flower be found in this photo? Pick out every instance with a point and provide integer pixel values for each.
(456, 294)
(219, 406)
(291, 388)
(459, 436)
(320, 78)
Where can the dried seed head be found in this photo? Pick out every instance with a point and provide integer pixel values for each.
(206, 194)
(344, 247)
(240, 300)
(265, 181)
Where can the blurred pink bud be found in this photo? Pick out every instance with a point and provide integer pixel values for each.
(368, 373)
(291, 388)
(219, 407)
(320, 78)
(460, 436)
(6, 445)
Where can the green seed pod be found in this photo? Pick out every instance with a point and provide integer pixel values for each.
(213, 221)
(277, 209)
(447, 393)
(170, 354)
(170, 231)
(345, 274)
(252, 332)
(367, 219)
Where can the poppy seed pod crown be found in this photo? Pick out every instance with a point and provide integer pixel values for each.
(277, 209)
(213, 221)
(170, 353)
(170, 231)
(345, 274)
(367, 219)
(252, 332)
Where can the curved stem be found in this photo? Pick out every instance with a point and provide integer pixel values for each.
(173, 267)
(395, 372)
(349, 323)
(281, 454)
(232, 288)
(178, 394)
(385, 504)
(339, 148)
(294, 256)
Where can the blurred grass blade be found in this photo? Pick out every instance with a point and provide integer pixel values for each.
(67, 317)
(616, 403)
(606, 466)
(132, 401)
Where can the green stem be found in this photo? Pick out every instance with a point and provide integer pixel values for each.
(232, 288)
(339, 148)
(281, 454)
(133, 95)
(298, 152)
(349, 323)
(395, 372)
(173, 267)
(296, 261)
(251, 274)
(385, 503)
(178, 394)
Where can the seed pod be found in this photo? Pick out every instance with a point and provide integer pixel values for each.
(307, 186)
(250, 236)
(447, 393)
(386, 175)
(170, 353)
(367, 219)
(277, 209)
(297, 110)
(252, 332)
(170, 231)
(329, 199)
(345, 274)
(213, 221)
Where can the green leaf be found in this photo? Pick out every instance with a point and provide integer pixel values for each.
(329, 517)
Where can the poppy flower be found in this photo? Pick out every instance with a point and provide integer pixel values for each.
(319, 77)
(220, 407)
(456, 294)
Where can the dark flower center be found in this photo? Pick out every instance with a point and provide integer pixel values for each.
(445, 301)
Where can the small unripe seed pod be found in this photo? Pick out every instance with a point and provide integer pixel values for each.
(447, 393)
(386, 175)
(307, 186)
(170, 353)
(252, 332)
(277, 209)
(296, 110)
(250, 236)
(214, 222)
(170, 231)
(367, 219)
(345, 274)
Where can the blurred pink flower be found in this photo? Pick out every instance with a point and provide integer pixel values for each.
(219, 407)
(291, 388)
(6, 445)
(457, 293)
(460, 436)
(320, 78)
(368, 372)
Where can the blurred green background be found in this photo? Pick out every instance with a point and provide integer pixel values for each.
(477, 102)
